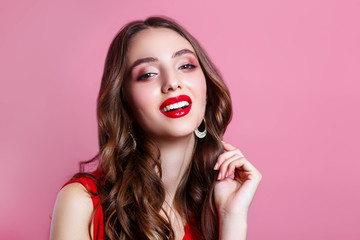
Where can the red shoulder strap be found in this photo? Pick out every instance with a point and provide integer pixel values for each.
(90, 185)
(190, 233)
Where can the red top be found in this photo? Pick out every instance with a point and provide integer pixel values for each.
(89, 184)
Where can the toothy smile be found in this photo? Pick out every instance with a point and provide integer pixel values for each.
(175, 106)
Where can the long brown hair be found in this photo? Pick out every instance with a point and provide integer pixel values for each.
(130, 188)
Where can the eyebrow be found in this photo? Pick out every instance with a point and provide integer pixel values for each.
(152, 59)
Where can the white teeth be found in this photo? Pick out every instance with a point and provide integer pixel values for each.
(175, 106)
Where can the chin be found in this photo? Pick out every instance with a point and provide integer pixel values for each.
(178, 133)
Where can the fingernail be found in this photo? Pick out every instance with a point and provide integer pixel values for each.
(216, 166)
(219, 176)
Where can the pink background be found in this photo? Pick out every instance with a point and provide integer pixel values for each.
(292, 68)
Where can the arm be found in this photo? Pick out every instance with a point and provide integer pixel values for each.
(232, 228)
(234, 191)
(72, 214)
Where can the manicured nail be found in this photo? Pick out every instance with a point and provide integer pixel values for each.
(216, 166)
(219, 176)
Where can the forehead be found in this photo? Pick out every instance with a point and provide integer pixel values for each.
(155, 42)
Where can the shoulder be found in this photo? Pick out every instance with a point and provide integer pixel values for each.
(72, 213)
(75, 195)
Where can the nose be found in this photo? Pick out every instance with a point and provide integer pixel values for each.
(171, 83)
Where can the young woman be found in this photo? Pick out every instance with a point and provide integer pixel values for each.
(164, 172)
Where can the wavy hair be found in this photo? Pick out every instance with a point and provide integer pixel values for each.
(131, 189)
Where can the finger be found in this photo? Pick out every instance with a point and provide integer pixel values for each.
(244, 165)
(228, 146)
(228, 168)
(232, 167)
(223, 171)
(222, 157)
(236, 164)
(223, 166)
(226, 155)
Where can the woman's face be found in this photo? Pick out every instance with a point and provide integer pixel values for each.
(165, 86)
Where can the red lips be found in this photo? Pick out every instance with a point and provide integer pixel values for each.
(176, 113)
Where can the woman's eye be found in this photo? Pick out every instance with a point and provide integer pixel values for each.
(187, 66)
(145, 76)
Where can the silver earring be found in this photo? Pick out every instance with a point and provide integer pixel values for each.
(201, 134)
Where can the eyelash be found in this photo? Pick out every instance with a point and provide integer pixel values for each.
(142, 77)
(183, 67)
(188, 65)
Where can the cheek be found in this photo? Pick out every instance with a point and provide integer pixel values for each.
(198, 83)
(142, 100)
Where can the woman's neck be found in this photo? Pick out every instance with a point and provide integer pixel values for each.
(175, 159)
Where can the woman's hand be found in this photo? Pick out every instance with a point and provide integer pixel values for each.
(237, 182)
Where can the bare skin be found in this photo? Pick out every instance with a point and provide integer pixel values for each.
(150, 83)
(233, 197)
(72, 213)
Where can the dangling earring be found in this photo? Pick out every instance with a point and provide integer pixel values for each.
(132, 137)
(201, 134)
